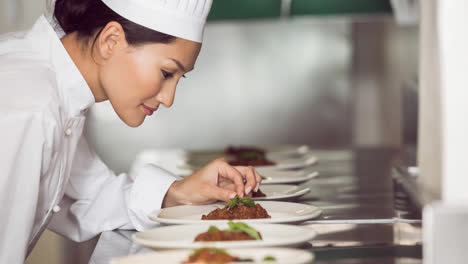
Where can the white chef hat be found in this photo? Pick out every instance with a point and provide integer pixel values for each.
(179, 18)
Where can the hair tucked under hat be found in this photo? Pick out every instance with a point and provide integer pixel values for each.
(87, 17)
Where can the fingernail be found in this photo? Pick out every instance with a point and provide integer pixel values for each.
(232, 195)
(247, 191)
(256, 187)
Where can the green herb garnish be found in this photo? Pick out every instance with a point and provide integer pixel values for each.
(212, 229)
(238, 227)
(243, 228)
(236, 200)
(196, 252)
(247, 201)
(269, 258)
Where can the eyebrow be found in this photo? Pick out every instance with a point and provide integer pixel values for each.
(181, 67)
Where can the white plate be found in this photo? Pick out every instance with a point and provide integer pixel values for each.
(280, 212)
(282, 255)
(275, 176)
(182, 236)
(291, 163)
(277, 192)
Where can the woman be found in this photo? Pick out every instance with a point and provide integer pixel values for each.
(130, 52)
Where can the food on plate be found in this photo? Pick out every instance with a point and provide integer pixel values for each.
(241, 149)
(236, 232)
(219, 256)
(238, 208)
(248, 156)
(211, 256)
(258, 194)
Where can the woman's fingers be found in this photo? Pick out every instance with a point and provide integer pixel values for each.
(259, 180)
(250, 178)
(220, 194)
(226, 171)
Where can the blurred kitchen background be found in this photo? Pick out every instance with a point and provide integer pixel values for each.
(331, 74)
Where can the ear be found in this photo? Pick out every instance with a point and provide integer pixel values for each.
(111, 38)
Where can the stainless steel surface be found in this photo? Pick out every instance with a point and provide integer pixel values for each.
(355, 188)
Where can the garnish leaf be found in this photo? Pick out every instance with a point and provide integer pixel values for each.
(247, 201)
(269, 258)
(233, 202)
(244, 228)
(212, 229)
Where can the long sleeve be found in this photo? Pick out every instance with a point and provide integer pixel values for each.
(97, 200)
(21, 154)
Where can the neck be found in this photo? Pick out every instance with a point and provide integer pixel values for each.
(85, 64)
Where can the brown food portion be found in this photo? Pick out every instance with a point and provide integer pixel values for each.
(257, 162)
(220, 235)
(237, 150)
(248, 156)
(211, 257)
(238, 212)
(258, 193)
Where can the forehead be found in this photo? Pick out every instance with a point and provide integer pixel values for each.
(183, 50)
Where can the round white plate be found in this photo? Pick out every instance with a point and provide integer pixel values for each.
(282, 255)
(291, 163)
(182, 236)
(275, 176)
(280, 212)
(278, 192)
(285, 150)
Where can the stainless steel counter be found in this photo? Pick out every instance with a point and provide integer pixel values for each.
(366, 217)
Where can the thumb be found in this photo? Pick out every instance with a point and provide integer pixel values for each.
(221, 194)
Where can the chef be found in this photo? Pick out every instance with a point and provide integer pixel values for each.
(130, 52)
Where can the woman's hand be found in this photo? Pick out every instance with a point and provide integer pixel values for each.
(216, 181)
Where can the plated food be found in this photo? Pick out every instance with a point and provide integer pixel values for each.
(247, 156)
(219, 256)
(279, 212)
(257, 255)
(236, 232)
(248, 235)
(238, 208)
(211, 255)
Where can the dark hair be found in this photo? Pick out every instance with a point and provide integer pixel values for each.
(86, 17)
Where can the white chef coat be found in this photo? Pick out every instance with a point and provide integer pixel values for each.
(48, 173)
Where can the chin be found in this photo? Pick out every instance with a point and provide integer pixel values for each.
(133, 122)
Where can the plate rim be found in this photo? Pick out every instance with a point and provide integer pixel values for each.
(297, 194)
(309, 259)
(310, 161)
(305, 178)
(299, 219)
(234, 244)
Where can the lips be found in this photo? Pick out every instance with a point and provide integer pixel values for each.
(148, 110)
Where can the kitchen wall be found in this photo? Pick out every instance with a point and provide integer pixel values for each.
(256, 82)
(326, 82)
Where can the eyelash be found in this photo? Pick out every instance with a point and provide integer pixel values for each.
(168, 75)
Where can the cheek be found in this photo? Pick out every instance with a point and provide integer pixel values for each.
(130, 76)
(128, 81)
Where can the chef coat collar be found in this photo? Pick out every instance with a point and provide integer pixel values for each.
(71, 84)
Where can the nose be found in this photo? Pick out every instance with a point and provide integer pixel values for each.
(166, 95)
